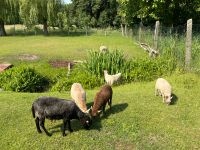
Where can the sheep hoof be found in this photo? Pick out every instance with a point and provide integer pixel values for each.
(64, 134)
(49, 134)
(39, 131)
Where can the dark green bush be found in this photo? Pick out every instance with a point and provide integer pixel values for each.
(150, 69)
(23, 79)
(87, 80)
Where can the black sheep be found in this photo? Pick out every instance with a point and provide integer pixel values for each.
(55, 108)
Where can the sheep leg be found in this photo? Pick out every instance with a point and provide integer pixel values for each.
(163, 99)
(103, 108)
(43, 127)
(156, 92)
(110, 102)
(69, 126)
(64, 127)
(37, 125)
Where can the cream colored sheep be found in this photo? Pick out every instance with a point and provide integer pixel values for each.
(163, 88)
(103, 49)
(79, 96)
(110, 79)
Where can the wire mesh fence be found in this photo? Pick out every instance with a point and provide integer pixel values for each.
(171, 42)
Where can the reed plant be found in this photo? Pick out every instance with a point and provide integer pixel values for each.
(113, 61)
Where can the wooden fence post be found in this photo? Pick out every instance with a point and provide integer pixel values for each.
(156, 35)
(188, 44)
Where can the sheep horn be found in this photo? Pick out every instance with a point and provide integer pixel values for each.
(87, 111)
(99, 111)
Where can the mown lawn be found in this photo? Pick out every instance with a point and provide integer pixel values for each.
(138, 120)
(64, 47)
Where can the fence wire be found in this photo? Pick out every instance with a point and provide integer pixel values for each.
(171, 42)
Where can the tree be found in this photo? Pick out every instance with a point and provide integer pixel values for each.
(43, 12)
(97, 12)
(8, 13)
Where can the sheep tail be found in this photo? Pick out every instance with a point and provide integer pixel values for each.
(33, 111)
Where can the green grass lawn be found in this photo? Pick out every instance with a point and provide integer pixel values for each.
(64, 47)
(138, 120)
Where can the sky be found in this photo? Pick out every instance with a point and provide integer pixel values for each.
(67, 1)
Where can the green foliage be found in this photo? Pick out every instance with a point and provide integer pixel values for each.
(132, 70)
(87, 80)
(114, 62)
(22, 79)
(150, 69)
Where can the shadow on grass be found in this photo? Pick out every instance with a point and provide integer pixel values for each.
(21, 33)
(96, 122)
(75, 125)
(174, 99)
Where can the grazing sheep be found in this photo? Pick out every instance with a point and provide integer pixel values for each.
(55, 108)
(103, 49)
(101, 98)
(110, 79)
(79, 96)
(163, 88)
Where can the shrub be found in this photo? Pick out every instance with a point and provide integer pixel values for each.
(150, 69)
(79, 75)
(23, 79)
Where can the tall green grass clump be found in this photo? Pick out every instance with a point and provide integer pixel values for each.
(114, 62)
(173, 47)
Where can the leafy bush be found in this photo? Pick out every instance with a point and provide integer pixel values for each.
(23, 79)
(150, 69)
(87, 80)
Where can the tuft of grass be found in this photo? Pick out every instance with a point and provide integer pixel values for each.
(112, 61)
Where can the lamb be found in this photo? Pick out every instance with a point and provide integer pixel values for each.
(163, 88)
(103, 49)
(101, 98)
(110, 79)
(55, 108)
(79, 96)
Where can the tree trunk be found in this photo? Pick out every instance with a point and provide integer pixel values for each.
(45, 27)
(125, 30)
(122, 29)
(2, 29)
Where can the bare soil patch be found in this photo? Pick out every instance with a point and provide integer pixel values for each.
(29, 57)
(62, 63)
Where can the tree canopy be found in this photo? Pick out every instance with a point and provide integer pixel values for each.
(96, 13)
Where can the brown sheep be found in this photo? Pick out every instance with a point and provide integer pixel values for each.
(101, 98)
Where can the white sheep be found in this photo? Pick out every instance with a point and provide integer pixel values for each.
(110, 79)
(103, 49)
(79, 96)
(163, 88)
